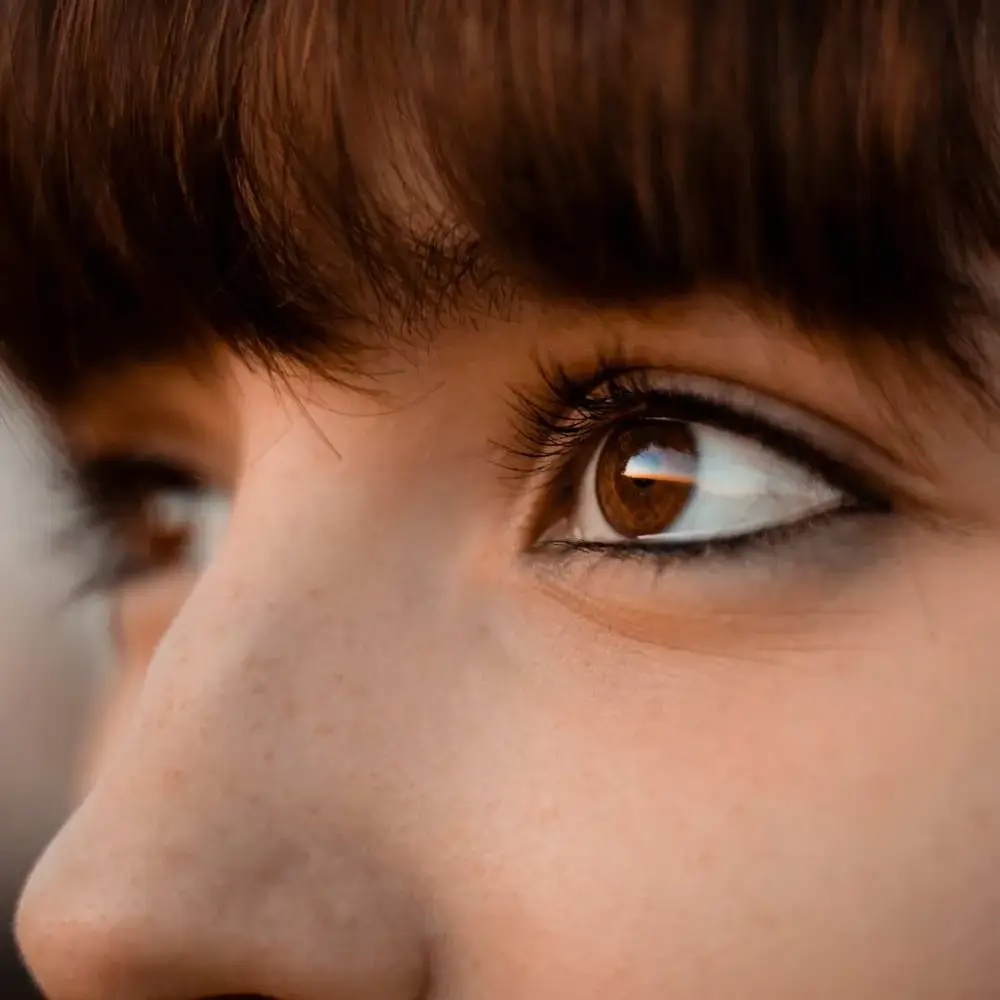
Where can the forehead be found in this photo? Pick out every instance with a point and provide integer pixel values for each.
(304, 179)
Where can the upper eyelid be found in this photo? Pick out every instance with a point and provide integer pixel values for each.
(615, 358)
(821, 429)
(118, 482)
(544, 417)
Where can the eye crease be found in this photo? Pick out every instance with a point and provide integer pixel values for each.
(646, 463)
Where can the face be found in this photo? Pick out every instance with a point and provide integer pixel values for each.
(579, 655)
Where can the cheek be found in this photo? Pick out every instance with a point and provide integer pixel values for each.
(660, 823)
(640, 863)
(140, 616)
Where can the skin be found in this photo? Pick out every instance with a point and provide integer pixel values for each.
(385, 749)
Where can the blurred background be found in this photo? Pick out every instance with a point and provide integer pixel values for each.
(53, 651)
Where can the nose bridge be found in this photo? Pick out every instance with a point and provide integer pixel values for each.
(221, 852)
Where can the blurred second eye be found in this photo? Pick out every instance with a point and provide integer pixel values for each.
(157, 517)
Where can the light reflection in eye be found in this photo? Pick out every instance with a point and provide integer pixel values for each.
(663, 464)
(193, 520)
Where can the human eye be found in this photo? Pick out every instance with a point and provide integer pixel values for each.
(663, 465)
(154, 516)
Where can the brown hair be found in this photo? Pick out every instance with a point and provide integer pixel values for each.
(281, 173)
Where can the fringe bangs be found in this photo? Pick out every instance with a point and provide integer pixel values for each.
(300, 177)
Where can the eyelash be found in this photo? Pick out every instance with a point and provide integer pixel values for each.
(558, 429)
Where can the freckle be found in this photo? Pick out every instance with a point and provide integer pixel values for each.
(705, 859)
(982, 819)
(549, 814)
(173, 778)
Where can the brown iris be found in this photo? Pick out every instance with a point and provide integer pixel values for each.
(646, 473)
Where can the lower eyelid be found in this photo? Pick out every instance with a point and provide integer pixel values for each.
(767, 543)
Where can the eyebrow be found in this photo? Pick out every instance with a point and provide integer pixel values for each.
(219, 170)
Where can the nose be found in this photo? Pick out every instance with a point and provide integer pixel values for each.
(199, 899)
(197, 867)
(166, 884)
(97, 924)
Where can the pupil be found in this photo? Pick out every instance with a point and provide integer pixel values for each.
(646, 474)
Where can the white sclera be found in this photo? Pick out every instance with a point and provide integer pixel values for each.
(741, 487)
